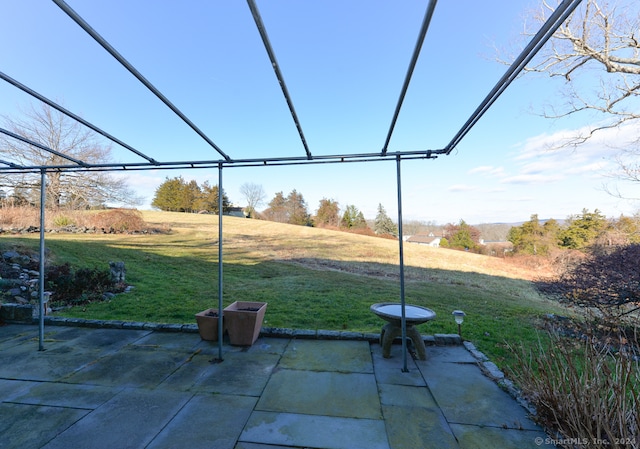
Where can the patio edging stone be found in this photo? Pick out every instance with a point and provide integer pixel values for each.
(9, 315)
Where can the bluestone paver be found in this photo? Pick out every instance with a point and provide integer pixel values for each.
(328, 355)
(33, 426)
(465, 396)
(131, 419)
(328, 432)
(242, 373)
(59, 394)
(206, 421)
(350, 395)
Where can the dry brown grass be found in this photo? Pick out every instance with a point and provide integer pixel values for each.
(19, 217)
(335, 250)
(114, 220)
(584, 391)
(341, 251)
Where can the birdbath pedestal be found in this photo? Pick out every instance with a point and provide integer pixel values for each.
(392, 313)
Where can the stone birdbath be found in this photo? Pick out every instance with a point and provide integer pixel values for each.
(392, 313)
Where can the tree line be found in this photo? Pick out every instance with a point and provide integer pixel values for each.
(533, 237)
(579, 232)
(178, 195)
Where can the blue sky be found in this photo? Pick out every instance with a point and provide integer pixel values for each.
(344, 64)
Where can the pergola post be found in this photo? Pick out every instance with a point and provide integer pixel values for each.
(403, 318)
(220, 318)
(43, 180)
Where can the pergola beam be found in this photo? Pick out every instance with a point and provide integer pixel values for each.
(44, 148)
(414, 59)
(276, 67)
(562, 12)
(113, 52)
(70, 114)
(236, 163)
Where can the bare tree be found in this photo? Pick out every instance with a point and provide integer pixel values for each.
(56, 131)
(254, 196)
(600, 36)
(599, 42)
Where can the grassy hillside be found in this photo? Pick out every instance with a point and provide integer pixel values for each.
(311, 278)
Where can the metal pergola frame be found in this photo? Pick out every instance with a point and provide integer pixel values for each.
(559, 16)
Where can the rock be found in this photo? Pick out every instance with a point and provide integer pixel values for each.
(8, 255)
(17, 312)
(118, 271)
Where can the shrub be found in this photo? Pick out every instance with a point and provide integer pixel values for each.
(584, 392)
(19, 216)
(608, 282)
(62, 221)
(81, 286)
(119, 220)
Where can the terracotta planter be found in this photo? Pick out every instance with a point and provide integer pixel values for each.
(208, 324)
(243, 321)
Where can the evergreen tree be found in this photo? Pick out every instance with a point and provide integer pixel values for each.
(208, 199)
(277, 210)
(292, 209)
(360, 222)
(179, 196)
(190, 195)
(383, 223)
(168, 195)
(297, 209)
(327, 214)
(583, 229)
(533, 238)
(349, 216)
(462, 236)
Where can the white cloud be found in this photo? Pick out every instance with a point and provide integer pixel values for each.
(461, 188)
(487, 170)
(532, 179)
(597, 168)
(543, 159)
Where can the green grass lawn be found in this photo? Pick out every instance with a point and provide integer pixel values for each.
(310, 278)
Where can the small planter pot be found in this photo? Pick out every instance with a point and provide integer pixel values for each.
(243, 321)
(207, 321)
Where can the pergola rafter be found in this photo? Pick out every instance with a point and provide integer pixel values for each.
(70, 114)
(113, 52)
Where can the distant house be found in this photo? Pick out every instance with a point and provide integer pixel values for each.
(425, 239)
(497, 248)
(235, 211)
